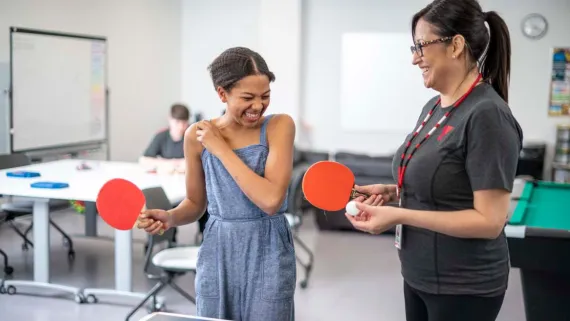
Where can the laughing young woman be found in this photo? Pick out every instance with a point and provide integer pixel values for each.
(239, 167)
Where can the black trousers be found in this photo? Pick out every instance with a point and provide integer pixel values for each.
(421, 306)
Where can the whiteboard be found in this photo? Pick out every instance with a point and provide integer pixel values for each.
(58, 90)
(381, 90)
(4, 109)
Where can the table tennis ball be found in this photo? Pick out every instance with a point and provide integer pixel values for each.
(351, 208)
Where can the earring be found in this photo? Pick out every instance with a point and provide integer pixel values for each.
(453, 56)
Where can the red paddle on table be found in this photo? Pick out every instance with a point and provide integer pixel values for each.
(329, 185)
(120, 203)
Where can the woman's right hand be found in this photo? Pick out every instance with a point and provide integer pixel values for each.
(382, 193)
(155, 221)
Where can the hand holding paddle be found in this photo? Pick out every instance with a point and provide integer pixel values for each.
(155, 221)
(356, 213)
(384, 193)
(120, 204)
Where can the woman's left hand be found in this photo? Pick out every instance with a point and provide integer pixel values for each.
(211, 138)
(374, 219)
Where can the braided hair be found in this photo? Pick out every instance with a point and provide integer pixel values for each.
(236, 63)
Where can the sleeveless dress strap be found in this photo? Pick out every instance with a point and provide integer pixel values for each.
(263, 134)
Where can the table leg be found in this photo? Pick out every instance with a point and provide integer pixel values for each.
(41, 241)
(123, 260)
(90, 219)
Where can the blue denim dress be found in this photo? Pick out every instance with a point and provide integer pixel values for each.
(246, 264)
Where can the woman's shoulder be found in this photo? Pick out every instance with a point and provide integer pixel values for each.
(191, 138)
(491, 112)
(488, 99)
(489, 105)
(280, 125)
(281, 121)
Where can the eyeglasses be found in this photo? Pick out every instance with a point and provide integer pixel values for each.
(418, 47)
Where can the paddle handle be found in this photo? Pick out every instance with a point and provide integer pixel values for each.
(138, 220)
(138, 217)
(354, 194)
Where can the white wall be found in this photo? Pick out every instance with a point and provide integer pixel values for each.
(144, 57)
(270, 27)
(325, 20)
(159, 51)
(208, 28)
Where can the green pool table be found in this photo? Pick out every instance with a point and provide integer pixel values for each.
(538, 235)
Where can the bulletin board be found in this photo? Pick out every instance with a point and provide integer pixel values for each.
(559, 101)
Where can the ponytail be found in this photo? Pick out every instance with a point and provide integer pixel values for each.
(496, 66)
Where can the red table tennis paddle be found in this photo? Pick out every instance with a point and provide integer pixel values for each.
(120, 203)
(329, 185)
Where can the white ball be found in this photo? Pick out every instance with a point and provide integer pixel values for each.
(351, 208)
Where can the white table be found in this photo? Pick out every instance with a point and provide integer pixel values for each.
(84, 185)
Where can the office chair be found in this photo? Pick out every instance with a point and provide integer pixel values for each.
(294, 217)
(171, 262)
(18, 207)
(8, 270)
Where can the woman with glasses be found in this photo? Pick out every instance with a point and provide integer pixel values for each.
(455, 170)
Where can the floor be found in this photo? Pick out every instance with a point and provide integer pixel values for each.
(355, 277)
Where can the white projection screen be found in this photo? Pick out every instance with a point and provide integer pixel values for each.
(58, 90)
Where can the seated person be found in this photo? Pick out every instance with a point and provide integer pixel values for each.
(166, 150)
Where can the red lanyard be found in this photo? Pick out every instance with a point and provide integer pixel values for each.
(405, 160)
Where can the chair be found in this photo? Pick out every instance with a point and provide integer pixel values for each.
(8, 270)
(171, 262)
(294, 217)
(21, 207)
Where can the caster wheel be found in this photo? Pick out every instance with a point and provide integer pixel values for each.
(71, 255)
(79, 298)
(11, 290)
(8, 270)
(25, 247)
(157, 308)
(303, 284)
(91, 299)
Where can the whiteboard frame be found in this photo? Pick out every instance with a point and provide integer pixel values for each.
(73, 147)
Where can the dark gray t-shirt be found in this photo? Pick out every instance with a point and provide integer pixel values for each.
(162, 145)
(476, 149)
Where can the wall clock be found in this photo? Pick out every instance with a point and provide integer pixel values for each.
(534, 26)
